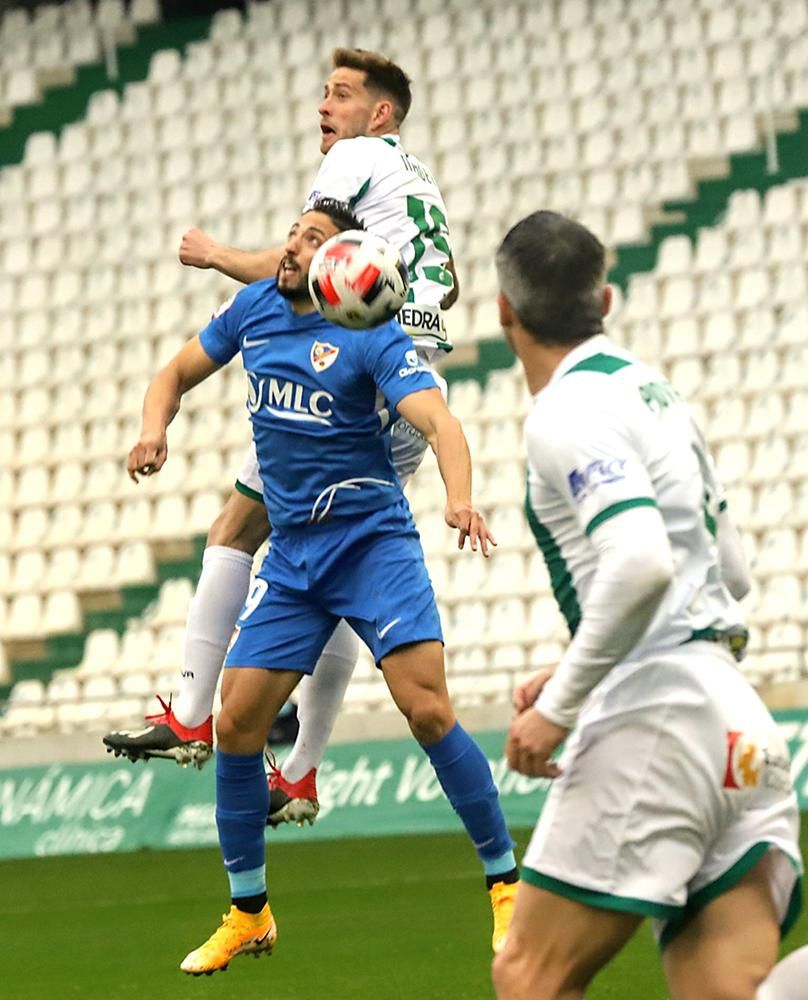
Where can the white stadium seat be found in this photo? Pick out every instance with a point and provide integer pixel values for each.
(90, 220)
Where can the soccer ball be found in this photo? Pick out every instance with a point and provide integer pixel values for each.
(358, 280)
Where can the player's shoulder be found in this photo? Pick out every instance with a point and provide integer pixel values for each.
(261, 295)
(586, 386)
(603, 371)
(376, 338)
(368, 149)
(266, 288)
(362, 147)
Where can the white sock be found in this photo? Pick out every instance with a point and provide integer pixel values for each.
(788, 980)
(220, 596)
(319, 699)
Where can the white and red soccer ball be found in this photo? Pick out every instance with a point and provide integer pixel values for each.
(358, 280)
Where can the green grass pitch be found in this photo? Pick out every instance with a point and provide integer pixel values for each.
(374, 919)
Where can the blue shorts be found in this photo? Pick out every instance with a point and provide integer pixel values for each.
(369, 570)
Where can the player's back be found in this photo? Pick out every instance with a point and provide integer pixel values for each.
(622, 437)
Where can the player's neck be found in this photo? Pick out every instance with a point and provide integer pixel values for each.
(301, 307)
(540, 361)
(385, 130)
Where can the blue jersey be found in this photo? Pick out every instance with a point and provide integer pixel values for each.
(321, 399)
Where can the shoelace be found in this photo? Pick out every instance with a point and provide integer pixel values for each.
(229, 928)
(274, 770)
(160, 716)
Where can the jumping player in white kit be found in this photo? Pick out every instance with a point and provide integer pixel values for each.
(366, 98)
(673, 796)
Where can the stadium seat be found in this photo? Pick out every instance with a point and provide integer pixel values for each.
(135, 650)
(61, 613)
(100, 653)
(607, 135)
(172, 603)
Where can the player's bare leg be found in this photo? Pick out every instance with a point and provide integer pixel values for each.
(728, 948)
(184, 730)
(251, 698)
(415, 676)
(417, 682)
(556, 945)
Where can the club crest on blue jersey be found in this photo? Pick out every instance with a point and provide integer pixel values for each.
(322, 355)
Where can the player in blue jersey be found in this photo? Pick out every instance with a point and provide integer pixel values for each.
(344, 545)
(366, 99)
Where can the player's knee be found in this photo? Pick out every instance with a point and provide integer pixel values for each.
(241, 525)
(430, 718)
(509, 973)
(733, 982)
(233, 730)
(504, 973)
(518, 975)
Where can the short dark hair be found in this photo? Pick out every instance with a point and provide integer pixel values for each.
(551, 270)
(381, 75)
(339, 213)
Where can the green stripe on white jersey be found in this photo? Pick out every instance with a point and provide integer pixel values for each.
(396, 196)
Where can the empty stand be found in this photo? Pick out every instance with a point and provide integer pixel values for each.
(603, 110)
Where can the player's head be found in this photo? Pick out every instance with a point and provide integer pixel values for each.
(324, 219)
(365, 94)
(552, 274)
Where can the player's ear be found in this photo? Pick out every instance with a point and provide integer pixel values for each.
(607, 299)
(383, 115)
(506, 314)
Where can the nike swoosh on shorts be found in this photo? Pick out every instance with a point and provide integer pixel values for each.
(381, 633)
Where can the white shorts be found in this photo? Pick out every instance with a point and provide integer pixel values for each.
(408, 449)
(248, 478)
(674, 783)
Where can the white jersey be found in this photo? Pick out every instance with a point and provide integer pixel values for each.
(396, 196)
(606, 434)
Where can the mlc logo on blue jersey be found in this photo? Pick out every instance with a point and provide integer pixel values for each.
(598, 473)
(288, 400)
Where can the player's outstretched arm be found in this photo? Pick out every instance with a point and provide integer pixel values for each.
(197, 249)
(187, 368)
(428, 413)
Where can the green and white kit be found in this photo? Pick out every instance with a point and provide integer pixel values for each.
(396, 196)
(675, 779)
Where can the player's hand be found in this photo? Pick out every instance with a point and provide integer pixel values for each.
(196, 249)
(531, 742)
(471, 524)
(148, 456)
(525, 694)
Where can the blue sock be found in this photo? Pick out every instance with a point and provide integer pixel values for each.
(242, 801)
(466, 778)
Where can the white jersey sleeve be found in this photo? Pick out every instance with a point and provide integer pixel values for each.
(634, 568)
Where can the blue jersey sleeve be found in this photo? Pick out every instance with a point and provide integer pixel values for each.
(394, 364)
(221, 337)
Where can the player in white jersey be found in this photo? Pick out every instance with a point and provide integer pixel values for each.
(673, 797)
(365, 100)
